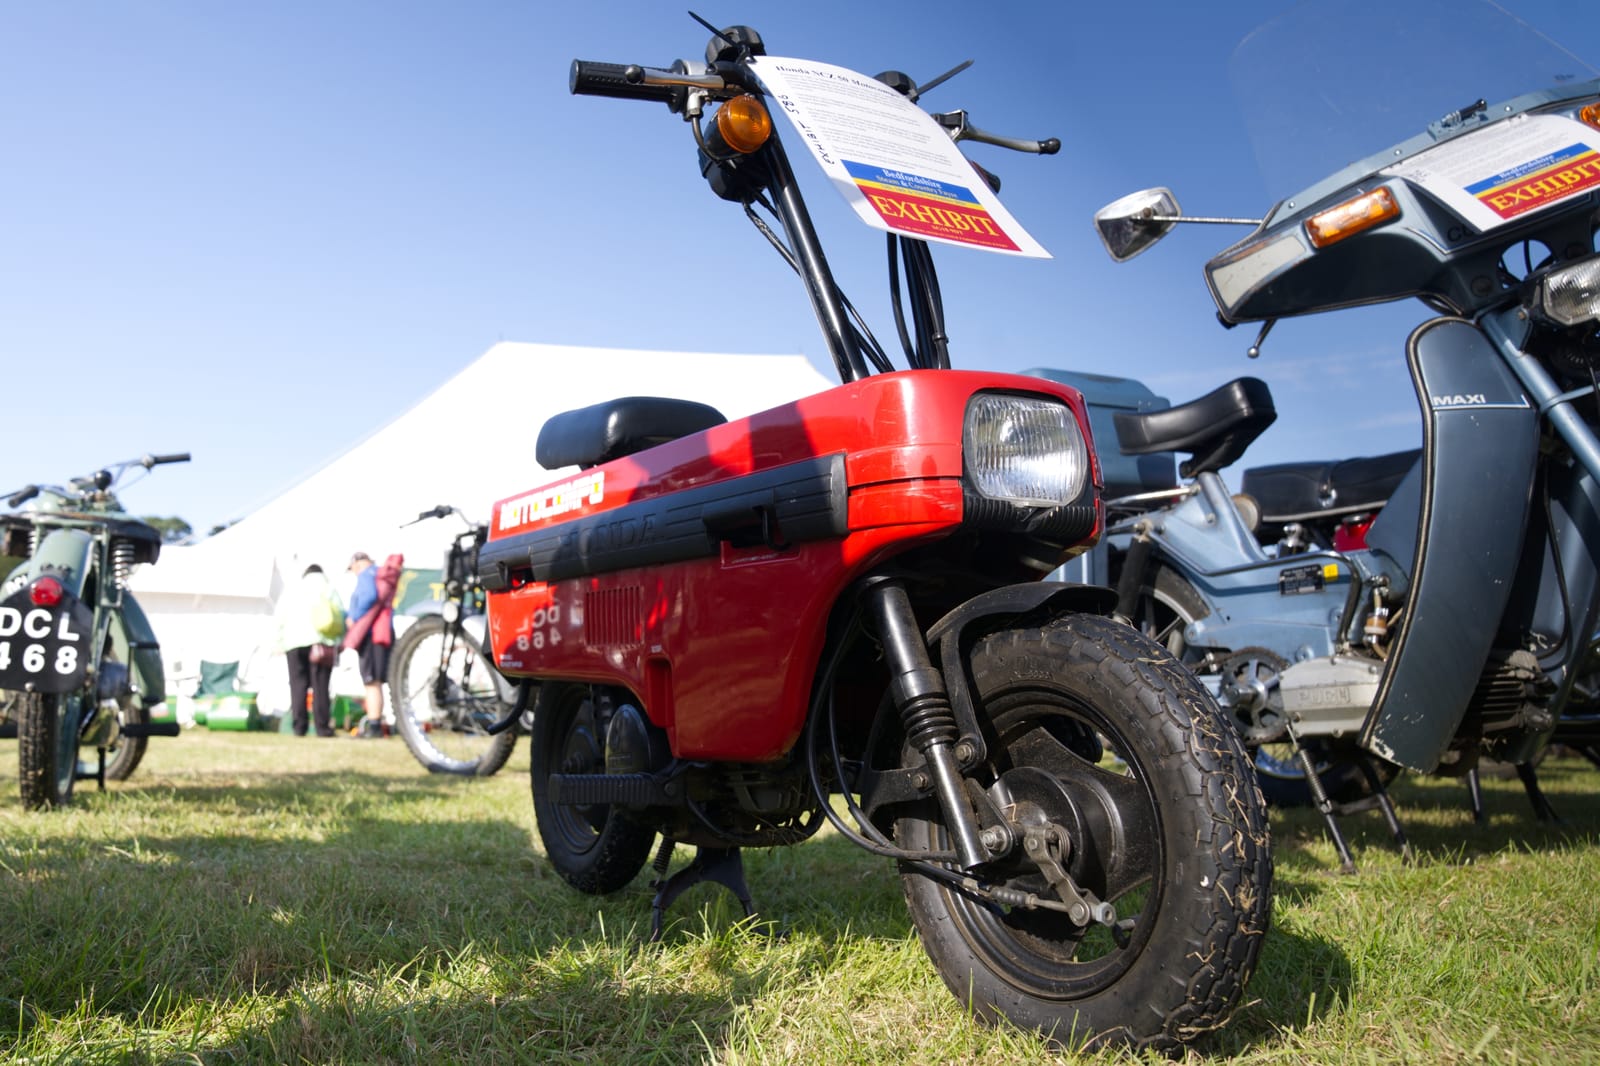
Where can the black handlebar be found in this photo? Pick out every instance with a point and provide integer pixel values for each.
(156, 460)
(22, 496)
(624, 81)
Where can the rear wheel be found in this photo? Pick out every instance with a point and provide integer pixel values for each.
(1127, 777)
(47, 751)
(1253, 674)
(445, 698)
(1166, 606)
(594, 847)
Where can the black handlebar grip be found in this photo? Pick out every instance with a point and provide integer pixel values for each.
(179, 457)
(1050, 146)
(589, 78)
(22, 496)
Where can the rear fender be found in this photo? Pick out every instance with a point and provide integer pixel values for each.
(65, 554)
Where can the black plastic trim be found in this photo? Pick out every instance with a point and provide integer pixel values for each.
(803, 501)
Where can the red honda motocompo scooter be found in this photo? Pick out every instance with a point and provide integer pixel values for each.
(728, 624)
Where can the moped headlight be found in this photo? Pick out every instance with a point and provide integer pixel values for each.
(1024, 449)
(1570, 296)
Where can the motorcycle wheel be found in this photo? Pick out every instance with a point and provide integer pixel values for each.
(444, 703)
(47, 749)
(1167, 604)
(1279, 772)
(1093, 728)
(124, 759)
(594, 848)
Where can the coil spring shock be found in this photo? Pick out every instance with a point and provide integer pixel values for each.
(918, 691)
(122, 551)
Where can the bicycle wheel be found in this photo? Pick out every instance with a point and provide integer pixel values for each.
(445, 699)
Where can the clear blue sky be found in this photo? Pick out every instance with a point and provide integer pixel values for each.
(257, 232)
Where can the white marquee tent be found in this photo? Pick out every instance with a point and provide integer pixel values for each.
(214, 600)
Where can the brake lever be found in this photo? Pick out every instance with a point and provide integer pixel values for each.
(961, 130)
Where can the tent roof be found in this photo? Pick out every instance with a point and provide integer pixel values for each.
(468, 444)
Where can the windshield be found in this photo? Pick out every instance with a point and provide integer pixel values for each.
(1333, 81)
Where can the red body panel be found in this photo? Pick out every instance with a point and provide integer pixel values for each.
(722, 651)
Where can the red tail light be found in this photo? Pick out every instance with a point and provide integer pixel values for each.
(46, 592)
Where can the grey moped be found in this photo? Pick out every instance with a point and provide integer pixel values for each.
(1462, 624)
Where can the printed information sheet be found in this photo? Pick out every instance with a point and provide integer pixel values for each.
(890, 160)
(1509, 169)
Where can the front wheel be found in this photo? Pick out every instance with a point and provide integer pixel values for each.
(47, 749)
(445, 699)
(125, 757)
(1118, 769)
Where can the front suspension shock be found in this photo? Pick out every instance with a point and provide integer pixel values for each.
(918, 691)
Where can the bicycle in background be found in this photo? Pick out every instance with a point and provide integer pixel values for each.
(446, 692)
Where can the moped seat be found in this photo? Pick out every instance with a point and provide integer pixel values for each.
(1294, 492)
(1214, 429)
(605, 431)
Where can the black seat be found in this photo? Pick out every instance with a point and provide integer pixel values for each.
(605, 431)
(1293, 492)
(1215, 429)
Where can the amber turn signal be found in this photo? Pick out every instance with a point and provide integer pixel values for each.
(744, 124)
(1351, 217)
(1591, 115)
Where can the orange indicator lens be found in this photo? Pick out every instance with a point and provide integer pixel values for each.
(1591, 115)
(744, 124)
(1351, 217)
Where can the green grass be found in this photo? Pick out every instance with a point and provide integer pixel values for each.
(253, 898)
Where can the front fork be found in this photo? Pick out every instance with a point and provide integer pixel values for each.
(918, 690)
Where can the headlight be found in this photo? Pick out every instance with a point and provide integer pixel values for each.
(1024, 449)
(451, 611)
(1570, 296)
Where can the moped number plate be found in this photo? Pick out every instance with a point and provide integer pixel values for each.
(44, 649)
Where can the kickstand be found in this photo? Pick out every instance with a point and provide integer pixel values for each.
(1475, 795)
(1320, 796)
(1380, 795)
(1542, 809)
(723, 866)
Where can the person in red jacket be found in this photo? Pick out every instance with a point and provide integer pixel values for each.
(369, 623)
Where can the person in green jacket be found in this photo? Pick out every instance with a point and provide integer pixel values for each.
(310, 622)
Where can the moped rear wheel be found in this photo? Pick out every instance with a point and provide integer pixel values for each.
(594, 847)
(1167, 605)
(47, 749)
(445, 699)
(1096, 733)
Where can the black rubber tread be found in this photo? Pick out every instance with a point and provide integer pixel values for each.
(1214, 900)
(121, 764)
(610, 856)
(38, 738)
(497, 749)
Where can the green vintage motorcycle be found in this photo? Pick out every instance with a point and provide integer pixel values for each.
(79, 665)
